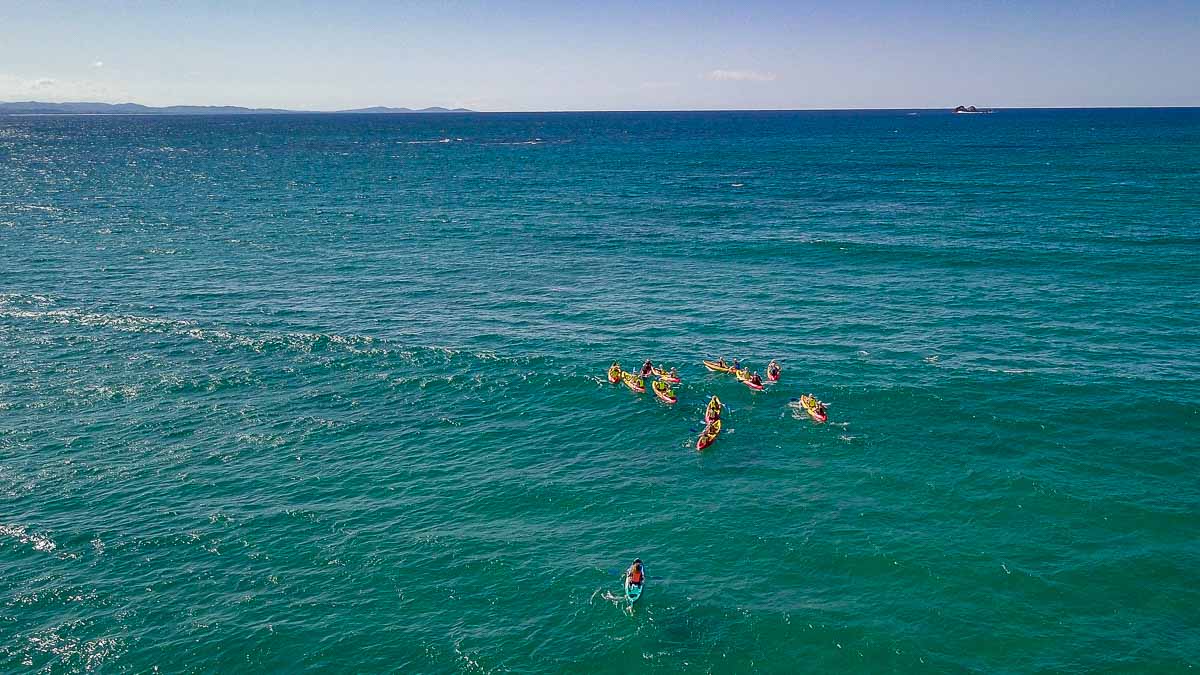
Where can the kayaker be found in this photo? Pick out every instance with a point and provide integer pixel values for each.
(722, 363)
(635, 573)
(756, 380)
(674, 375)
(772, 369)
(647, 368)
(714, 408)
(736, 365)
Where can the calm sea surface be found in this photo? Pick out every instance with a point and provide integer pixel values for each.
(327, 393)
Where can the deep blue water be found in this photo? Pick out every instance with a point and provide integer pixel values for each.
(327, 392)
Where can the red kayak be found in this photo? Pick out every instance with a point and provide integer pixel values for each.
(707, 437)
(746, 380)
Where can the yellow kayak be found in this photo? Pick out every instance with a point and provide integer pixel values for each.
(717, 368)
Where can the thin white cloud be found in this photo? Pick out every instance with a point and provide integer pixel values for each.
(723, 75)
(97, 64)
(18, 88)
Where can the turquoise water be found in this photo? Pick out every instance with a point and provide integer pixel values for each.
(327, 392)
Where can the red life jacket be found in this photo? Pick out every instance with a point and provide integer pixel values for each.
(635, 574)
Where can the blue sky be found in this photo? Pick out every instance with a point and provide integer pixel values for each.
(603, 55)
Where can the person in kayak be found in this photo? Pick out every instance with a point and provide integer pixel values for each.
(714, 409)
(636, 573)
(615, 369)
(736, 365)
(722, 363)
(756, 380)
(674, 374)
(772, 369)
(647, 368)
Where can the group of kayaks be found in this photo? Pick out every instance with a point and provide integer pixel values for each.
(634, 577)
(637, 382)
(712, 413)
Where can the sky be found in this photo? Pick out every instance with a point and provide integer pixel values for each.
(603, 54)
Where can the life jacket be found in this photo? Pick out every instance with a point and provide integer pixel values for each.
(636, 576)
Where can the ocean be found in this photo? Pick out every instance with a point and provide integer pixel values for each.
(327, 393)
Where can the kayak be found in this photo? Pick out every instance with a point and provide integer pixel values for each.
(634, 591)
(634, 382)
(665, 376)
(810, 405)
(614, 378)
(706, 439)
(717, 368)
(743, 376)
(709, 417)
(664, 392)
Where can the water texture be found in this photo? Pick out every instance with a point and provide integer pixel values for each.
(327, 393)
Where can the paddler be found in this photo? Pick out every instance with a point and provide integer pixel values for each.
(714, 408)
(647, 368)
(756, 380)
(722, 363)
(674, 375)
(636, 573)
(736, 365)
(772, 369)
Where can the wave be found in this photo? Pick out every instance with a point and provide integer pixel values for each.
(39, 308)
(38, 542)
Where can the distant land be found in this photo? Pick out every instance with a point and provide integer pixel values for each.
(43, 108)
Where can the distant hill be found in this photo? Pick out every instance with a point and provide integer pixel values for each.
(43, 108)
(385, 109)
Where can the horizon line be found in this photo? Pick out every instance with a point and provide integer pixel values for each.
(443, 110)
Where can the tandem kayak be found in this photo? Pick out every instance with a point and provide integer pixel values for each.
(713, 412)
(716, 367)
(743, 376)
(707, 437)
(663, 392)
(665, 376)
(813, 407)
(634, 382)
